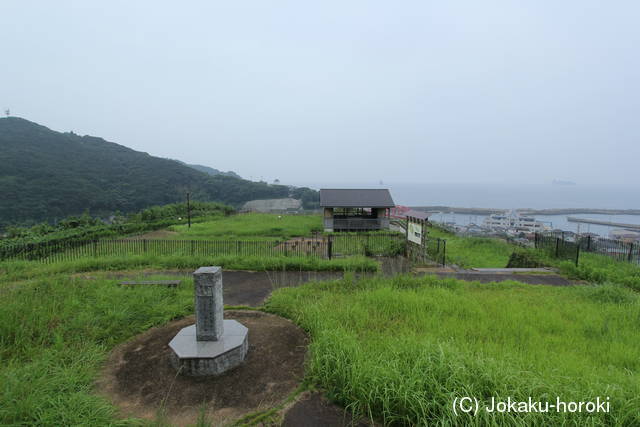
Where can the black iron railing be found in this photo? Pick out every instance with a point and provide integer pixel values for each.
(569, 246)
(317, 246)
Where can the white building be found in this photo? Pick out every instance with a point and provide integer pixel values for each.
(513, 221)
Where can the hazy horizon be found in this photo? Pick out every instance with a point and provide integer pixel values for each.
(448, 92)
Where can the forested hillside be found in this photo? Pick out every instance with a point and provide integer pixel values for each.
(211, 171)
(47, 175)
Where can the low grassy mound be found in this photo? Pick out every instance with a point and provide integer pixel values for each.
(253, 226)
(602, 269)
(16, 270)
(593, 268)
(400, 350)
(480, 252)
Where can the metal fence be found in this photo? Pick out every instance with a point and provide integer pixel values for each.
(437, 250)
(565, 246)
(557, 246)
(617, 249)
(319, 246)
(369, 244)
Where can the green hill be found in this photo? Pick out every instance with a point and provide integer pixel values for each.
(47, 175)
(212, 171)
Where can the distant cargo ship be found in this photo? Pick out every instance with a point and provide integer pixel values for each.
(561, 182)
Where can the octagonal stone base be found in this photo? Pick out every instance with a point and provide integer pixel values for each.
(203, 358)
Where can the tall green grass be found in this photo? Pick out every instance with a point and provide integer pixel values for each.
(54, 334)
(252, 226)
(469, 252)
(596, 268)
(400, 350)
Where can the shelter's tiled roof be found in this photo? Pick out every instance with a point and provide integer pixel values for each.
(356, 198)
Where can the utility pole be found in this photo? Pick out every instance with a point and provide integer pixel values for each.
(188, 210)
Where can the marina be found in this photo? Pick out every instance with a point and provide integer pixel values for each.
(601, 225)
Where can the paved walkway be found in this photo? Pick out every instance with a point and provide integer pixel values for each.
(252, 288)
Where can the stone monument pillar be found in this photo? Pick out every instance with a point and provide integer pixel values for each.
(208, 303)
(213, 345)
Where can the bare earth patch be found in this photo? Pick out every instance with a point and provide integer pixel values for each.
(249, 288)
(304, 246)
(313, 410)
(139, 379)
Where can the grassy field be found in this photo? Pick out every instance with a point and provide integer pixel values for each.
(398, 350)
(479, 252)
(54, 334)
(56, 328)
(252, 226)
(401, 350)
(596, 268)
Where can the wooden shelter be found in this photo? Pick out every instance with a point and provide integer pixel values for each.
(356, 209)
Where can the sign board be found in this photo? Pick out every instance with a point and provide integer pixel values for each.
(415, 233)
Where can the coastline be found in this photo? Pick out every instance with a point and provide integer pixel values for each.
(527, 211)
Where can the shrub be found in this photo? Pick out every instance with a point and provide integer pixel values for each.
(521, 258)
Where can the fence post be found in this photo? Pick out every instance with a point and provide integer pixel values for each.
(329, 247)
(557, 246)
(589, 243)
(423, 241)
(144, 246)
(406, 240)
(444, 253)
(95, 248)
(630, 252)
(192, 247)
(577, 254)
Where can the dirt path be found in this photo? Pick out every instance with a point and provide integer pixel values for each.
(313, 410)
(250, 288)
(304, 245)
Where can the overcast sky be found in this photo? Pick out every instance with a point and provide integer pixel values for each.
(413, 91)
